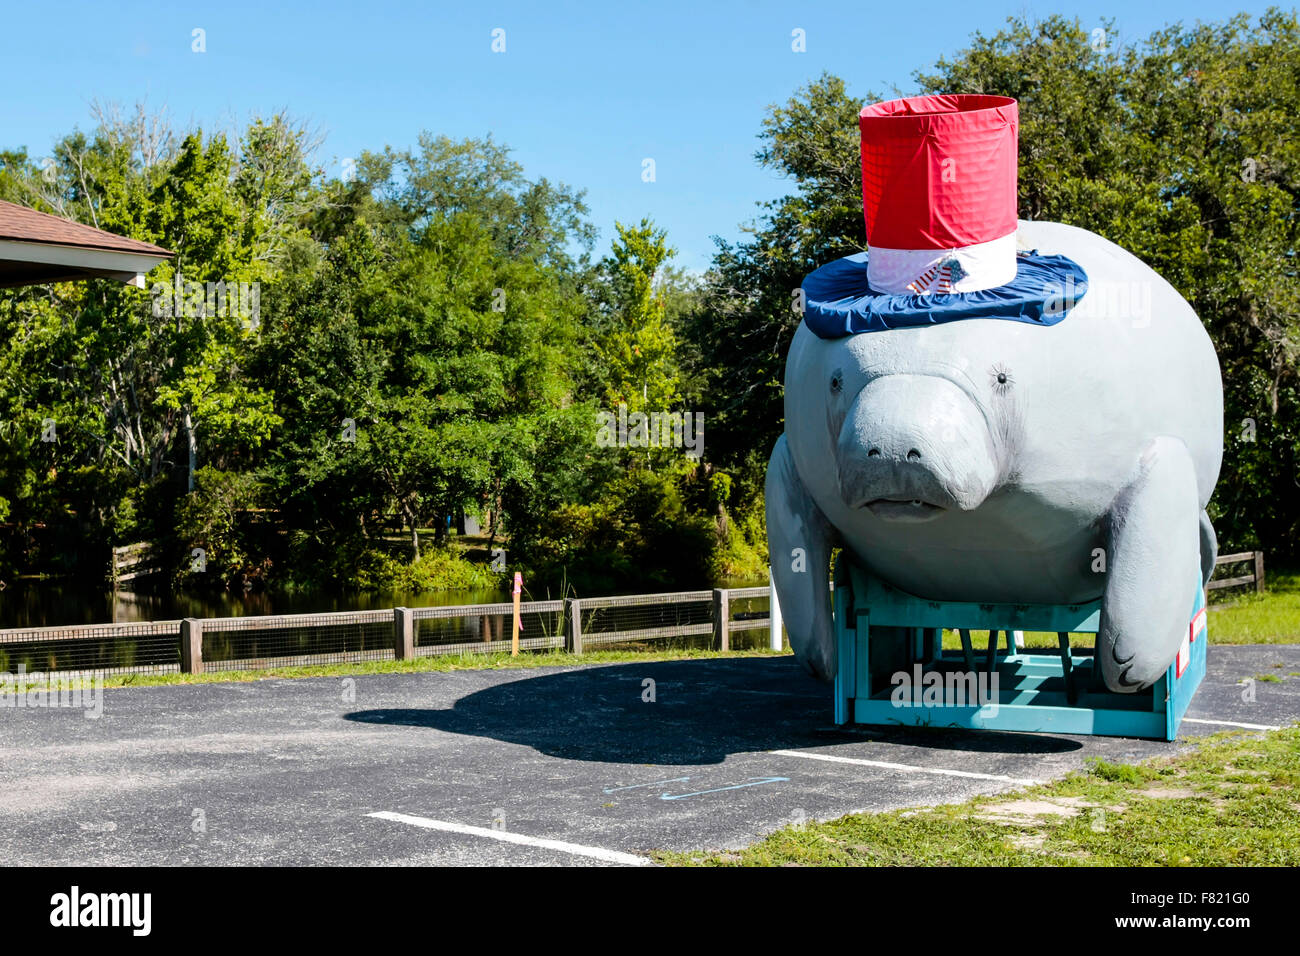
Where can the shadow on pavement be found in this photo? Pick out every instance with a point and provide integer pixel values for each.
(702, 712)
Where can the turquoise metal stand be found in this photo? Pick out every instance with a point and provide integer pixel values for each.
(905, 677)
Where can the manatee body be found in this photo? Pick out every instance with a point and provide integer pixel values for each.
(994, 460)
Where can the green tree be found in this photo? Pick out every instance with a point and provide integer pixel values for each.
(446, 341)
(640, 347)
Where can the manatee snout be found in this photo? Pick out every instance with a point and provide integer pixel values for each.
(914, 446)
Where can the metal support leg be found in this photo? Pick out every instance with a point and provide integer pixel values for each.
(1067, 667)
(845, 669)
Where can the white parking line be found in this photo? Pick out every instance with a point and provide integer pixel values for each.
(595, 852)
(1230, 723)
(907, 768)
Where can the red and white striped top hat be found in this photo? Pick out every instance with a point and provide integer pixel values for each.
(939, 193)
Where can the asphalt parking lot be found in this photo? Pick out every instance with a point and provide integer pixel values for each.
(554, 766)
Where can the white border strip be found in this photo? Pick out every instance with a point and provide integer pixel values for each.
(1230, 723)
(595, 852)
(987, 265)
(907, 768)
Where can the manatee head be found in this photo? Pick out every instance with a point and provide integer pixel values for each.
(916, 425)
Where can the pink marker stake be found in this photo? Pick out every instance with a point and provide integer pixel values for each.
(519, 624)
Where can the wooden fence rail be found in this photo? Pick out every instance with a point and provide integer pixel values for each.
(1256, 577)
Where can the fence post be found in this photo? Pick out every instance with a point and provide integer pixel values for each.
(1259, 572)
(192, 646)
(721, 619)
(575, 625)
(403, 634)
(776, 640)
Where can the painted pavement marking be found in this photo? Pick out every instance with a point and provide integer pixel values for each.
(907, 768)
(652, 783)
(1231, 723)
(755, 782)
(505, 836)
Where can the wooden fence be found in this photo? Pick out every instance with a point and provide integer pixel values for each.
(1256, 577)
(195, 645)
(131, 561)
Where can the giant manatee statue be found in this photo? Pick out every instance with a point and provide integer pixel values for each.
(1002, 461)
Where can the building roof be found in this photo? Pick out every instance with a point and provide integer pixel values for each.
(36, 247)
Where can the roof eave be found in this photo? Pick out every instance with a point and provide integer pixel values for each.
(82, 262)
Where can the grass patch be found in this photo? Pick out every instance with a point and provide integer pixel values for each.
(1232, 800)
(1118, 772)
(442, 664)
(1249, 618)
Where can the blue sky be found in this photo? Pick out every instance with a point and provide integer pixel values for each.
(582, 94)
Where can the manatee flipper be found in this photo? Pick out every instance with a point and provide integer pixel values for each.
(1209, 549)
(799, 540)
(1155, 556)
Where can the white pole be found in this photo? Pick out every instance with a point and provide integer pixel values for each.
(777, 641)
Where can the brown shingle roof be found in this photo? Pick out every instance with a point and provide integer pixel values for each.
(20, 224)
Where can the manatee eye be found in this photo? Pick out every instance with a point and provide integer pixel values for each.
(837, 381)
(1002, 380)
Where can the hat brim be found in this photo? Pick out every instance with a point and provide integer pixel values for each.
(838, 300)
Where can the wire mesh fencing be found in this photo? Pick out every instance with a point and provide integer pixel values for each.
(676, 620)
(486, 628)
(146, 647)
(296, 640)
(749, 618)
